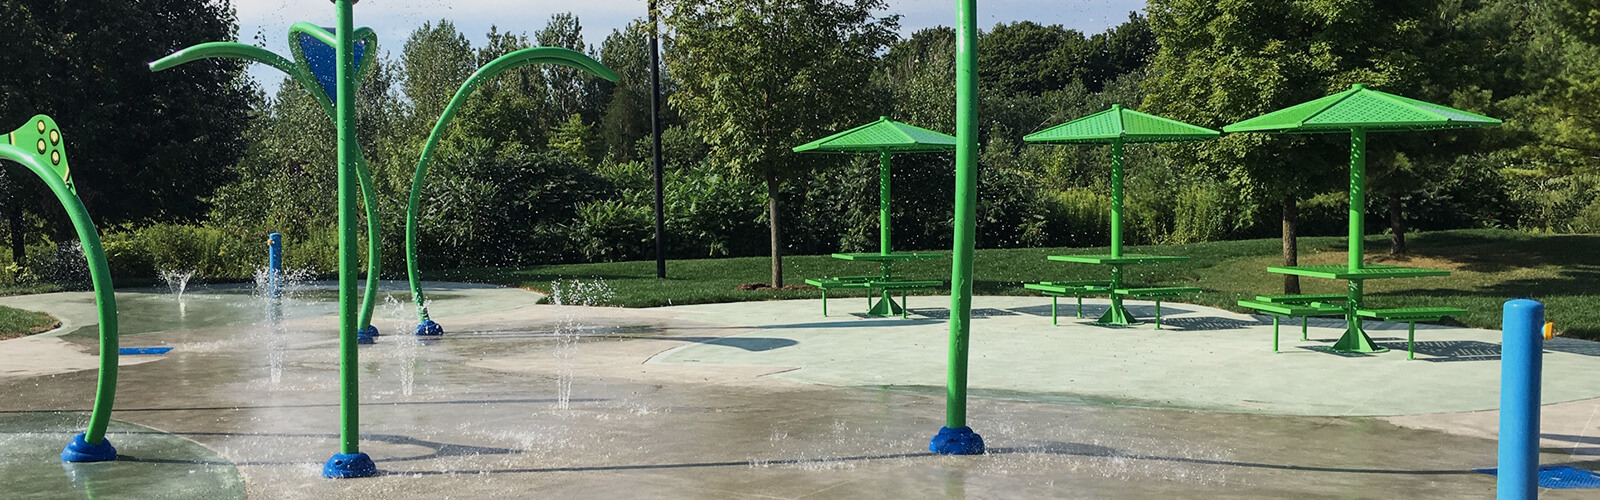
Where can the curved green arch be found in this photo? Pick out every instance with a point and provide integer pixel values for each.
(235, 50)
(514, 60)
(99, 272)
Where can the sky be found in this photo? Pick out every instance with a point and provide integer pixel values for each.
(268, 21)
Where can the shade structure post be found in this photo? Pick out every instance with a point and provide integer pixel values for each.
(1358, 194)
(1116, 200)
(956, 438)
(349, 462)
(884, 246)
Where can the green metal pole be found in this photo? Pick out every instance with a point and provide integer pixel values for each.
(369, 298)
(520, 58)
(345, 111)
(1358, 194)
(956, 437)
(100, 275)
(1116, 197)
(884, 246)
(1355, 338)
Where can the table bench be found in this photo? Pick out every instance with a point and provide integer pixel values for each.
(1290, 306)
(1410, 315)
(1158, 294)
(869, 283)
(1079, 289)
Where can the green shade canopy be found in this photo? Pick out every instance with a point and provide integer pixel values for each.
(1362, 108)
(1120, 124)
(884, 135)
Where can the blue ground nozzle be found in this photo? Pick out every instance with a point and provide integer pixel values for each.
(429, 329)
(961, 441)
(368, 330)
(349, 465)
(368, 335)
(79, 450)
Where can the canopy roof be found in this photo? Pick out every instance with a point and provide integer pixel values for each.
(884, 135)
(1362, 108)
(1120, 124)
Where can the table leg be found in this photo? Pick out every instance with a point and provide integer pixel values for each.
(1411, 340)
(1054, 300)
(824, 302)
(1080, 307)
(1355, 338)
(1117, 314)
(1274, 333)
(1158, 314)
(1305, 321)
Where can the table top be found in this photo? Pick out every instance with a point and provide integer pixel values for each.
(1127, 258)
(1367, 272)
(888, 257)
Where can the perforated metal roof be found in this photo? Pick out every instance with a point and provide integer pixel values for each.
(1362, 108)
(884, 135)
(1121, 124)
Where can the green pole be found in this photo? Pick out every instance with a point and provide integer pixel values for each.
(1358, 194)
(1116, 199)
(369, 298)
(517, 59)
(956, 438)
(345, 116)
(100, 275)
(884, 246)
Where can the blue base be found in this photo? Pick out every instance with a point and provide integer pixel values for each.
(351, 465)
(1560, 477)
(960, 441)
(365, 339)
(368, 330)
(80, 450)
(429, 329)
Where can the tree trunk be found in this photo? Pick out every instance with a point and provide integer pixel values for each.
(777, 233)
(19, 244)
(1397, 228)
(1291, 243)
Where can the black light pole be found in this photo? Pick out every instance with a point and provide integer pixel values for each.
(655, 130)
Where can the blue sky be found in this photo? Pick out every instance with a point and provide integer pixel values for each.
(394, 19)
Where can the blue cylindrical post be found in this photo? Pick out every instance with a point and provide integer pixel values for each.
(1521, 350)
(274, 264)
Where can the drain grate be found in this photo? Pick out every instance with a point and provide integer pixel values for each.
(1561, 477)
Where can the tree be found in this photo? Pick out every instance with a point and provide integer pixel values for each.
(572, 91)
(627, 116)
(1221, 62)
(759, 77)
(145, 146)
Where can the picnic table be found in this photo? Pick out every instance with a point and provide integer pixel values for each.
(1115, 288)
(880, 286)
(884, 137)
(1357, 111)
(1117, 127)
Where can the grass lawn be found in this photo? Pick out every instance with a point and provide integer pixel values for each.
(1489, 267)
(17, 323)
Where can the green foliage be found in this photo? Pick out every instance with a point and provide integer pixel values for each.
(145, 146)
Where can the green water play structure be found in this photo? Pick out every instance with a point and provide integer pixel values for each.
(1116, 127)
(1356, 111)
(40, 146)
(955, 437)
(329, 63)
(885, 138)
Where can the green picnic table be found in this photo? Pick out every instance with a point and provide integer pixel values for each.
(882, 285)
(884, 137)
(1358, 111)
(1116, 126)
